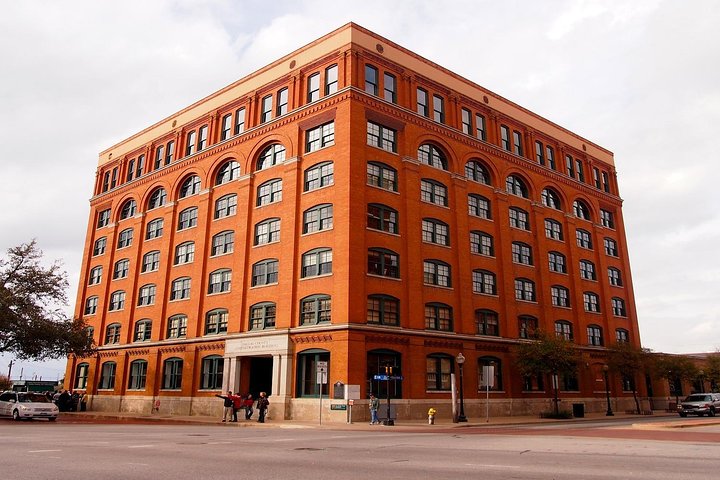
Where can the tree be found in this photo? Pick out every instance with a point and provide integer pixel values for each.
(5, 383)
(547, 354)
(31, 324)
(712, 370)
(629, 360)
(676, 369)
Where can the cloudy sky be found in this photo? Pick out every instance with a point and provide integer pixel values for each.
(639, 77)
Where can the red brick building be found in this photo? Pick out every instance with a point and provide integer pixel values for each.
(357, 204)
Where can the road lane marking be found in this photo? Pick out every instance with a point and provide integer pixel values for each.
(43, 451)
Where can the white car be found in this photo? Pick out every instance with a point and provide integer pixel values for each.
(20, 405)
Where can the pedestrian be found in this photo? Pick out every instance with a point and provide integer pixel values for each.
(248, 404)
(237, 405)
(374, 405)
(227, 405)
(84, 401)
(262, 406)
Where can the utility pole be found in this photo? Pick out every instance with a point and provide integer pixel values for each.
(10, 369)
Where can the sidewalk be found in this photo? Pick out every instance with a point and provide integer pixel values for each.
(440, 423)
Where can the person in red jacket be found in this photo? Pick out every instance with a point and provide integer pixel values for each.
(248, 404)
(237, 405)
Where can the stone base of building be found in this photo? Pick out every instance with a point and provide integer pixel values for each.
(339, 411)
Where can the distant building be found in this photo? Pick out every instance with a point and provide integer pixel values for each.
(356, 204)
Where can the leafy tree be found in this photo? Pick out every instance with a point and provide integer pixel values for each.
(712, 370)
(547, 354)
(629, 361)
(5, 383)
(31, 324)
(675, 369)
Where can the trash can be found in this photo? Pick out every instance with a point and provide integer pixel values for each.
(578, 410)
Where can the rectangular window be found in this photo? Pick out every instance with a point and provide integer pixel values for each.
(381, 137)
(320, 137)
(606, 219)
(505, 137)
(331, 79)
(202, 138)
(239, 120)
(130, 170)
(140, 168)
(266, 106)
(596, 177)
(550, 158)
(605, 182)
(114, 179)
(313, 87)
(580, 171)
(466, 121)
(539, 153)
(190, 143)
(422, 102)
(569, 166)
(371, 80)
(282, 102)
(480, 127)
(389, 88)
(226, 127)
(517, 143)
(103, 218)
(438, 109)
(170, 152)
(159, 157)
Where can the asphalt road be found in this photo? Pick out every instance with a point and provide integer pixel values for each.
(41, 450)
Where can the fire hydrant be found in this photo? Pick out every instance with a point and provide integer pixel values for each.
(431, 416)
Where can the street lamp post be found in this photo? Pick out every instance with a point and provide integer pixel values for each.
(609, 412)
(460, 360)
(388, 422)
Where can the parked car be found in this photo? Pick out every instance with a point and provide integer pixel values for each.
(20, 405)
(700, 404)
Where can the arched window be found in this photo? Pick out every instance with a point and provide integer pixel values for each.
(591, 302)
(117, 300)
(560, 296)
(177, 326)
(138, 374)
(125, 238)
(527, 326)
(431, 155)
(262, 316)
(154, 229)
(267, 231)
(595, 336)
(482, 243)
(223, 243)
(316, 262)
(550, 198)
(383, 262)
(486, 323)
(228, 172)
(483, 281)
(143, 330)
(107, 376)
(318, 218)
(564, 330)
(272, 155)
(553, 229)
(519, 218)
(382, 176)
(493, 367)
(581, 210)
(172, 374)
(318, 176)
(516, 186)
(269, 192)
(622, 335)
(95, 276)
(190, 186)
(614, 277)
(378, 363)
(265, 272)
(476, 171)
(211, 375)
(438, 316)
(479, 206)
(381, 217)
(226, 206)
(435, 231)
(146, 294)
(81, 375)
(524, 289)
(439, 366)
(618, 307)
(187, 218)
(91, 305)
(307, 365)
(437, 272)
(521, 253)
(128, 209)
(556, 262)
(432, 191)
(383, 310)
(315, 309)
(157, 198)
(216, 321)
(220, 281)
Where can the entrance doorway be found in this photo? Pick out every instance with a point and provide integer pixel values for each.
(261, 371)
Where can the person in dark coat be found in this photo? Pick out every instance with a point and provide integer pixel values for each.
(227, 405)
(262, 406)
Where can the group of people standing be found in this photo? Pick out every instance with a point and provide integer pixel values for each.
(234, 403)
